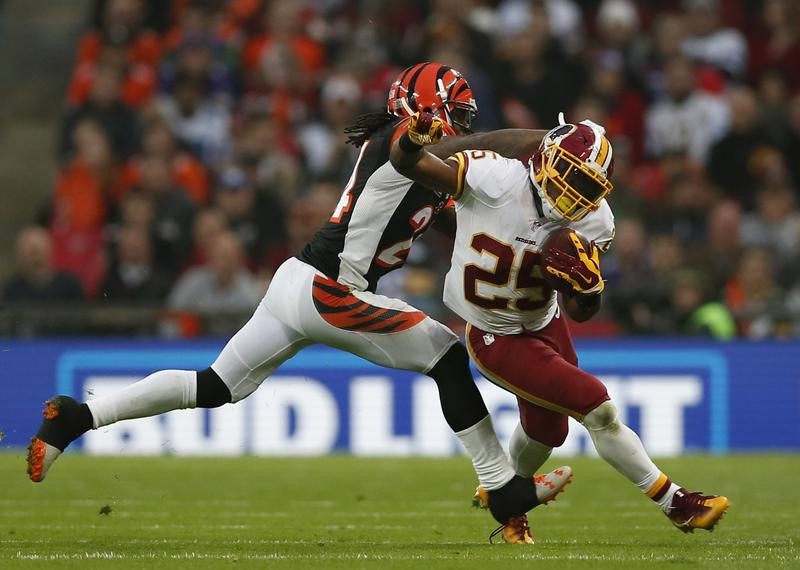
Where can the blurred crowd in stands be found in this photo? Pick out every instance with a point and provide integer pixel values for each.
(202, 144)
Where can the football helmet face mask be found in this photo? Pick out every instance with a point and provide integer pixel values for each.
(437, 87)
(571, 170)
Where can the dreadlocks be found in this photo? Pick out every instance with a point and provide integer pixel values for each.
(366, 126)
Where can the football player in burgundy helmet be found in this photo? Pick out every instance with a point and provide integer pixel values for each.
(571, 170)
(326, 294)
(505, 285)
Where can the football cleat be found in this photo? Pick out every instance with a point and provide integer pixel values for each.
(516, 531)
(695, 510)
(548, 486)
(64, 422)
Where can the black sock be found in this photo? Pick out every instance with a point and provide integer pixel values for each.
(212, 392)
(461, 401)
(71, 422)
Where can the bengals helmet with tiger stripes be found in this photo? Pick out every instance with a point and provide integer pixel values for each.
(571, 169)
(437, 87)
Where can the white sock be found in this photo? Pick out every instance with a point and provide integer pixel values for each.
(527, 455)
(659, 488)
(621, 447)
(490, 461)
(160, 392)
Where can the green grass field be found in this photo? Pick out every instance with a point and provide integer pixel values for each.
(342, 512)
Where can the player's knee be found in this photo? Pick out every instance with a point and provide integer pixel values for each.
(603, 417)
(212, 392)
(454, 364)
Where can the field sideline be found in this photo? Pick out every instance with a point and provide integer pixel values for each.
(343, 512)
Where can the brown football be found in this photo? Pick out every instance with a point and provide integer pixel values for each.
(559, 239)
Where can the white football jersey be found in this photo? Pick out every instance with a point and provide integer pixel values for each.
(495, 280)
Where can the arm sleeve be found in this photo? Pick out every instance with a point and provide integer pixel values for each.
(482, 174)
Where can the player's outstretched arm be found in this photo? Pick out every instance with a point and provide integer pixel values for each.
(510, 143)
(410, 158)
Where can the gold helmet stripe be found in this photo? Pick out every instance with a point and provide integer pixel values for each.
(604, 154)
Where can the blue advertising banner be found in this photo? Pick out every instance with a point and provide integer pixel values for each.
(680, 396)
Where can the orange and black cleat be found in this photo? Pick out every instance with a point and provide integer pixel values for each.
(65, 420)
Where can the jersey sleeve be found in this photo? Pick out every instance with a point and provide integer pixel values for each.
(599, 227)
(482, 174)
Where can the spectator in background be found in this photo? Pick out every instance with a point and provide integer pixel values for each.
(198, 20)
(731, 161)
(755, 298)
(136, 209)
(209, 223)
(775, 226)
(187, 172)
(205, 59)
(36, 280)
(223, 285)
(256, 218)
(83, 186)
(305, 215)
(687, 121)
(624, 105)
(791, 147)
(684, 206)
(324, 144)
(173, 213)
(122, 23)
(268, 157)
(282, 65)
(720, 256)
(777, 46)
(104, 105)
(773, 95)
(618, 27)
(539, 80)
(200, 122)
(138, 84)
(133, 276)
(710, 43)
(693, 313)
(80, 206)
(670, 32)
(628, 272)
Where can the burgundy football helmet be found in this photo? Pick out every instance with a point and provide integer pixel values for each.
(571, 169)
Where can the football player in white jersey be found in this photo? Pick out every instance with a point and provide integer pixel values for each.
(516, 333)
(326, 294)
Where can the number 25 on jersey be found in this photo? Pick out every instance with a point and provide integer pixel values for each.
(528, 276)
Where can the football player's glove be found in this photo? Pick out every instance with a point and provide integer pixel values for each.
(581, 273)
(425, 128)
